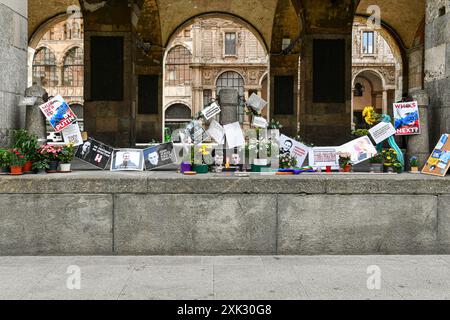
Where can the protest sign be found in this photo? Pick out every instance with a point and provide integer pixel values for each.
(211, 111)
(260, 122)
(217, 132)
(439, 162)
(95, 153)
(72, 134)
(321, 157)
(58, 113)
(235, 137)
(406, 116)
(256, 102)
(196, 132)
(382, 131)
(294, 148)
(127, 160)
(159, 156)
(361, 149)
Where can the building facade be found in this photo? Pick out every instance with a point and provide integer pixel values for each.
(205, 57)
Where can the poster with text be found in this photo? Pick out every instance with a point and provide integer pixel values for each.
(127, 160)
(159, 156)
(439, 162)
(95, 153)
(382, 131)
(58, 113)
(322, 157)
(361, 149)
(406, 118)
(294, 148)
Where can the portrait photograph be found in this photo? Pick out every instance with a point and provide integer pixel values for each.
(127, 160)
(159, 156)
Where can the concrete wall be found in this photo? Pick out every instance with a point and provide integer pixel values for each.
(437, 65)
(102, 213)
(13, 64)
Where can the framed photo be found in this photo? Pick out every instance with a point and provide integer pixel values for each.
(323, 157)
(127, 160)
(95, 153)
(159, 156)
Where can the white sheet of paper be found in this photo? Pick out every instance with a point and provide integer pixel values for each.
(260, 122)
(382, 131)
(256, 102)
(235, 137)
(216, 131)
(72, 134)
(211, 111)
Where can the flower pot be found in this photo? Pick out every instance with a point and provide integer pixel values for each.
(27, 167)
(260, 162)
(64, 167)
(376, 168)
(53, 166)
(347, 168)
(17, 170)
(200, 168)
(414, 169)
(4, 170)
(258, 168)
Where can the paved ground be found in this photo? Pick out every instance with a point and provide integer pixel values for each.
(249, 277)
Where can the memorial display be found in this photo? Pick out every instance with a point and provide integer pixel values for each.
(439, 162)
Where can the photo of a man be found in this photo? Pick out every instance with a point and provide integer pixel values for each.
(127, 159)
(286, 147)
(85, 150)
(159, 156)
(127, 163)
(152, 159)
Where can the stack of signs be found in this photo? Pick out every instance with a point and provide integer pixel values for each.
(196, 132)
(159, 156)
(256, 103)
(62, 119)
(234, 134)
(58, 113)
(294, 148)
(211, 111)
(127, 160)
(217, 132)
(361, 149)
(95, 153)
(322, 157)
(406, 116)
(382, 131)
(439, 161)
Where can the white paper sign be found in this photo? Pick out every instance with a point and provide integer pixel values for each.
(256, 102)
(211, 111)
(294, 148)
(323, 157)
(72, 134)
(27, 101)
(217, 132)
(235, 137)
(382, 131)
(361, 149)
(260, 122)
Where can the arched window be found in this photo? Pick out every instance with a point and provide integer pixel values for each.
(177, 116)
(74, 68)
(177, 66)
(230, 79)
(44, 68)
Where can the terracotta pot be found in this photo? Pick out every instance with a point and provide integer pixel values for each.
(347, 168)
(414, 169)
(17, 170)
(28, 166)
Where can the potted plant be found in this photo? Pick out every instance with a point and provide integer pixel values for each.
(345, 161)
(4, 161)
(51, 154)
(376, 164)
(27, 144)
(391, 163)
(16, 162)
(65, 156)
(287, 161)
(203, 167)
(414, 164)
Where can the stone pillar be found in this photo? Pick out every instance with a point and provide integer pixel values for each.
(418, 145)
(35, 120)
(385, 102)
(13, 59)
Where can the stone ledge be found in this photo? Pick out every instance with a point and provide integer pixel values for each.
(173, 183)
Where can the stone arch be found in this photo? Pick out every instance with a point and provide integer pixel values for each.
(370, 71)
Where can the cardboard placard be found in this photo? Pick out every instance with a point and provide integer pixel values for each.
(406, 118)
(439, 162)
(95, 153)
(260, 122)
(256, 102)
(58, 113)
(127, 160)
(361, 149)
(382, 131)
(294, 148)
(211, 111)
(323, 157)
(159, 156)
(196, 132)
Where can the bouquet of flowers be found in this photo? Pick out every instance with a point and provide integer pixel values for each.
(51, 153)
(370, 116)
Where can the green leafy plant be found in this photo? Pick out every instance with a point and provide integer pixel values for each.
(391, 161)
(40, 165)
(360, 132)
(4, 158)
(25, 142)
(345, 159)
(377, 159)
(413, 162)
(16, 158)
(275, 124)
(66, 154)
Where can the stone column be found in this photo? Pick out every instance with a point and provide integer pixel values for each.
(418, 145)
(35, 120)
(385, 102)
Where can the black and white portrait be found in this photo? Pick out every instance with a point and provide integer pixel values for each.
(160, 155)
